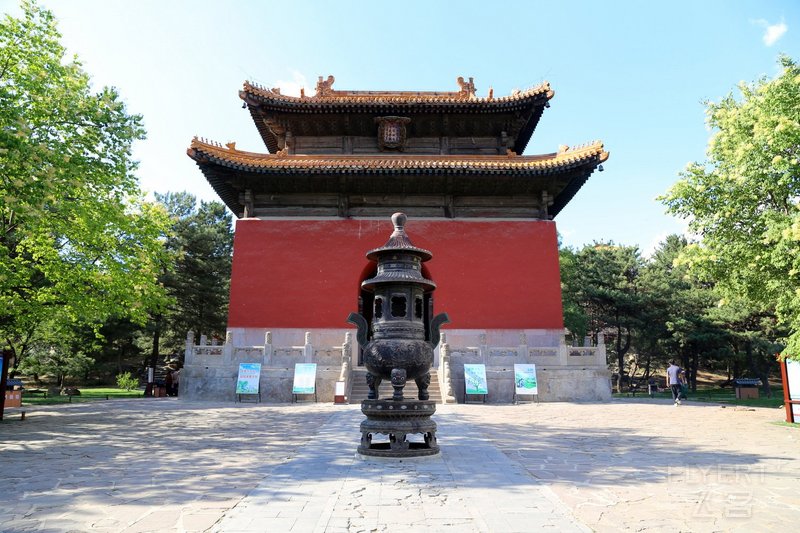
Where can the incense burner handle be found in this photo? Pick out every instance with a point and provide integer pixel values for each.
(363, 327)
(437, 323)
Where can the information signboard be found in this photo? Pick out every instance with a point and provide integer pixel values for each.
(525, 381)
(5, 360)
(305, 378)
(475, 379)
(2, 383)
(249, 376)
(793, 384)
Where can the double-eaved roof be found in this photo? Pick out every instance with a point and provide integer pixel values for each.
(519, 111)
(458, 156)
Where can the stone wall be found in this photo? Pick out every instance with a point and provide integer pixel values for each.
(564, 373)
(210, 372)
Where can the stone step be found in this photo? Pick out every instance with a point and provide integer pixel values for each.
(360, 389)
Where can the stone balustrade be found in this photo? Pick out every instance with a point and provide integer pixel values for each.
(210, 370)
(565, 373)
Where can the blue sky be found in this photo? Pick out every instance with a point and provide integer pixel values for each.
(633, 74)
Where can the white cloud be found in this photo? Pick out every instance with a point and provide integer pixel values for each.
(654, 244)
(681, 227)
(292, 87)
(772, 32)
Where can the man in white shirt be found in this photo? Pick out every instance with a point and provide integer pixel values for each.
(674, 381)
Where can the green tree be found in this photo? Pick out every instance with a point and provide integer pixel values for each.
(675, 320)
(575, 319)
(77, 241)
(198, 278)
(744, 201)
(751, 333)
(57, 352)
(605, 284)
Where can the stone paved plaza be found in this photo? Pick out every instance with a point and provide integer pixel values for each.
(169, 465)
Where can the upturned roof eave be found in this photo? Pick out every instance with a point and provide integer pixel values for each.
(566, 157)
(261, 101)
(220, 177)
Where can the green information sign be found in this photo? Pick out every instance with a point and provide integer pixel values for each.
(249, 376)
(475, 379)
(305, 378)
(525, 379)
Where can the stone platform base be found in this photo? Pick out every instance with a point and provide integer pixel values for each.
(398, 420)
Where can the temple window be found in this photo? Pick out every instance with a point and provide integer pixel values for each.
(418, 308)
(398, 306)
(391, 133)
(378, 307)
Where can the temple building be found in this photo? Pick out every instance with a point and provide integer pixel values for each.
(340, 163)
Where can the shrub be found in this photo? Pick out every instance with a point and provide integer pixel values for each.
(127, 381)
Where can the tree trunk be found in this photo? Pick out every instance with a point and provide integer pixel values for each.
(621, 351)
(620, 361)
(765, 388)
(751, 364)
(156, 341)
(692, 374)
(765, 362)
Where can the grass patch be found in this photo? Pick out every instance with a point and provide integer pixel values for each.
(88, 394)
(718, 395)
(787, 424)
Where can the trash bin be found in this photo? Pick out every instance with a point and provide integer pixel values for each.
(13, 393)
(746, 388)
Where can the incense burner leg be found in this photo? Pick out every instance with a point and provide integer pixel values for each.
(398, 382)
(373, 382)
(430, 439)
(423, 382)
(398, 442)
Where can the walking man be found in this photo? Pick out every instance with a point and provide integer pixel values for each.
(674, 381)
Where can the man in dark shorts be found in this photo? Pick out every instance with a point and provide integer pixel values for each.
(674, 381)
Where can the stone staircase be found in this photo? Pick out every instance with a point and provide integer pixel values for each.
(360, 390)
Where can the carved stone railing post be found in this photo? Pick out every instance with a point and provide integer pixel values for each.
(563, 351)
(268, 349)
(308, 349)
(444, 375)
(522, 349)
(203, 340)
(347, 358)
(227, 348)
(483, 349)
(600, 352)
(188, 355)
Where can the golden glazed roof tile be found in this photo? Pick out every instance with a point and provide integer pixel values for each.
(325, 94)
(201, 149)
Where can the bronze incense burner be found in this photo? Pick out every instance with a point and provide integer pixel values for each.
(400, 348)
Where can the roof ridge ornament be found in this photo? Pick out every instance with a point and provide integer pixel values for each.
(325, 88)
(467, 87)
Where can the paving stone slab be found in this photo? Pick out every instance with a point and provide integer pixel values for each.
(153, 465)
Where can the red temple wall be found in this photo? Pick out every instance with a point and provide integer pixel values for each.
(306, 273)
